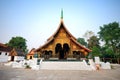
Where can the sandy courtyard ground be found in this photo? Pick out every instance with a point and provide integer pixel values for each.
(8, 73)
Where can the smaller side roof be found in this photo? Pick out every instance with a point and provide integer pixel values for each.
(32, 52)
(5, 48)
(16, 52)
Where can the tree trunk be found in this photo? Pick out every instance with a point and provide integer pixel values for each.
(118, 60)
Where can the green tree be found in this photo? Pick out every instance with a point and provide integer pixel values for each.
(93, 41)
(110, 34)
(95, 52)
(18, 43)
(107, 54)
(82, 41)
(94, 45)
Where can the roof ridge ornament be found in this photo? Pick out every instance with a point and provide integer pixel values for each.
(61, 13)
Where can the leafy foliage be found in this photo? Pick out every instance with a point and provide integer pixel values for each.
(95, 52)
(94, 45)
(107, 52)
(93, 41)
(18, 43)
(110, 34)
(82, 41)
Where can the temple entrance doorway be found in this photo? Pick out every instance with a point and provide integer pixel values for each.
(59, 51)
(62, 51)
(61, 54)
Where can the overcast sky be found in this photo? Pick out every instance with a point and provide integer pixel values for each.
(37, 20)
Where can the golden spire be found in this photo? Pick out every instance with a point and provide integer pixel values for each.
(61, 13)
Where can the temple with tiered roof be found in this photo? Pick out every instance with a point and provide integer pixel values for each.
(62, 45)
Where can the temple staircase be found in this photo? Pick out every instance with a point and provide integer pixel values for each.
(65, 65)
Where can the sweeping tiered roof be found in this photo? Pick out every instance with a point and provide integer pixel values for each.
(72, 38)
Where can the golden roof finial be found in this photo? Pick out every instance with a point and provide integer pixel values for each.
(61, 13)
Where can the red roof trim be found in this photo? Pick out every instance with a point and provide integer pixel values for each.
(81, 45)
(44, 44)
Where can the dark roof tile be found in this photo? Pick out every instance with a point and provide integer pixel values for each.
(5, 48)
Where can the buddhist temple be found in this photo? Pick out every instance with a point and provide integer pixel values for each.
(62, 45)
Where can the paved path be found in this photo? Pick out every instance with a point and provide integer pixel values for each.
(8, 73)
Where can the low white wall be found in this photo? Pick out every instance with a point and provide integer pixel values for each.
(4, 57)
(19, 58)
(9, 58)
(16, 58)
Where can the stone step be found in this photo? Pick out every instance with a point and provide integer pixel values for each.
(52, 65)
